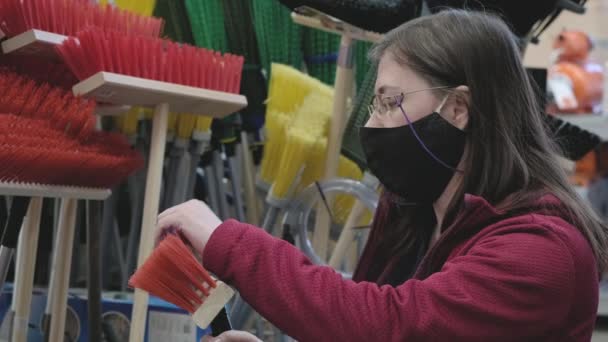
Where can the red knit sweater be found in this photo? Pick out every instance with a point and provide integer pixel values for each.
(527, 278)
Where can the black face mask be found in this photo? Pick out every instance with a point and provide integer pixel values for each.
(415, 161)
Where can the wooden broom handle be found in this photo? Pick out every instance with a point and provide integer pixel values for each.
(342, 91)
(347, 234)
(253, 213)
(24, 270)
(62, 262)
(150, 214)
(343, 88)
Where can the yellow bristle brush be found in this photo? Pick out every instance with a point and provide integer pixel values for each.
(286, 91)
(274, 143)
(308, 125)
(145, 7)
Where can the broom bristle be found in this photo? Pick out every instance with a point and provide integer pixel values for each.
(94, 50)
(68, 17)
(40, 69)
(68, 113)
(34, 151)
(173, 274)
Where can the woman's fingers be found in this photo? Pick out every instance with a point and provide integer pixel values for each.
(165, 225)
(167, 212)
(232, 336)
(208, 338)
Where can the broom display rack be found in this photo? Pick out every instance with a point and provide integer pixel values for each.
(343, 87)
(62, 253)
(164, 97)
(34, 42)
(115, 93)
(310, 17)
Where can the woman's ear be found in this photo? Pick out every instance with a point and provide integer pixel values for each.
(456, 109)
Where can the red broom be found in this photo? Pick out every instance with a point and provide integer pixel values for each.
(49, 137)
(173, 273)
(40, 69)
(70, 114)
(93, 50)
(33, 151)
(67, 17)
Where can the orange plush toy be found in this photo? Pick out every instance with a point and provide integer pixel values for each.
(574, 81)
(576, 85)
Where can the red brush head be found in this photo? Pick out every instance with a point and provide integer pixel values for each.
(94, 50)
(20, 95)
(40, 69)
(68, 17)
(34, 151)
(174, 274)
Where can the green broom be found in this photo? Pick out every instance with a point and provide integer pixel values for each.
(279, 39)
(243, 41)
(207, 22)
(321, 53)
(177, 25)
(362, 63)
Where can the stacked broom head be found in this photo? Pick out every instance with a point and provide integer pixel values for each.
(69, 17)
(48, 137)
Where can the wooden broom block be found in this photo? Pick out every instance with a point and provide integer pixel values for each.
(135, 91)
(312, 18)
(213, 304)
(34, 42)
(43, 190)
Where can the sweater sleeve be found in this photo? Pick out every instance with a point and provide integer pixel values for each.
(511, 285)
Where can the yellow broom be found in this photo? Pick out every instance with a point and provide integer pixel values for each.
(286, 91)
(300, 132)
(145, 7)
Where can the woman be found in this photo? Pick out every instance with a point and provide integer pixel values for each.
(473, 185)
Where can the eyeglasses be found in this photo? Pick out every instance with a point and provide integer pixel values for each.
(382, 104)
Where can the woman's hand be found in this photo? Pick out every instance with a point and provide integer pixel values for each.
(232, 336)
(193, 219)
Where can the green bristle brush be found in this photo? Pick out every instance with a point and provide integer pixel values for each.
(321, 53)
(279, 38)
(177, 25)
(207, 22)
(362, 63)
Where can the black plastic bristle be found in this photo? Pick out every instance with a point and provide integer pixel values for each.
(15, 220)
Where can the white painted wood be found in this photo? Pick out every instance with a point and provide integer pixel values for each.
(135, 91)
(34, 42)
(54, 191)
(217, 300)
(332, 25)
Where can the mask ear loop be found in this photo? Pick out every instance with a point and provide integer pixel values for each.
(409, 123)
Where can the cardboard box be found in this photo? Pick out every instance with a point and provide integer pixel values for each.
(166, 322)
